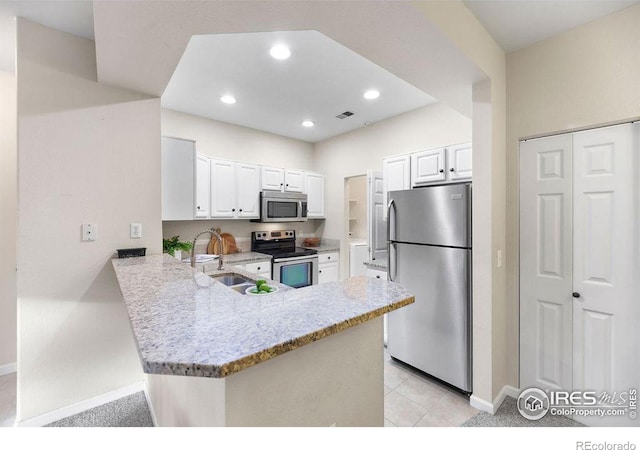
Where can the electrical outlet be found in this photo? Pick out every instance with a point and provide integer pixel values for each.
(135, 230)
(89, 232)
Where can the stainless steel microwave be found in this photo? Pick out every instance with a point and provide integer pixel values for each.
(282, 207)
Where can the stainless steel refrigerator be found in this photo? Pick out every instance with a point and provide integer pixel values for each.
(429, 239)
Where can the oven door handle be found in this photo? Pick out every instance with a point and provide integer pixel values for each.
(296, 258)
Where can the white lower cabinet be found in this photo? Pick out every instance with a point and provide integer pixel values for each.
(328, 267)
(262, 268)
(382, 275)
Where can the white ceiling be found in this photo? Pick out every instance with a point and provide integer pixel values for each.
(320, 80)
(515, 24)
(139, 44)
(75, 17)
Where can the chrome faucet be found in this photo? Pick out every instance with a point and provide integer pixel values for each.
(213, 233)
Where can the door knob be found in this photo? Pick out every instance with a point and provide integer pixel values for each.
(576, 295)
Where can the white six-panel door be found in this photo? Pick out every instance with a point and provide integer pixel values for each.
(580, 263)
(605, 263)
(545, 263)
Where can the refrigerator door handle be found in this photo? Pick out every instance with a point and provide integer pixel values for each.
(389, 206)
(395, 270)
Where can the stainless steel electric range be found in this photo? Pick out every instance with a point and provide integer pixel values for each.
(294, 266)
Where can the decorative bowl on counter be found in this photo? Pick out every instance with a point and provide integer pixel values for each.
(253, 290)
(311, 242)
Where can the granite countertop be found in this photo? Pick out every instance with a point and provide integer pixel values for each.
(326, 245)
(378, 264)
(244, 257)
(185, 323)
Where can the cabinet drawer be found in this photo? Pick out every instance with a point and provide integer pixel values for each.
(328, 257)
(259, 267)
(377, 274)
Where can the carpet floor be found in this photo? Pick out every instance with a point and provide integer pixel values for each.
(130, 411)
(508, 416)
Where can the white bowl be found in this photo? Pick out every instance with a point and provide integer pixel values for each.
(248, 290)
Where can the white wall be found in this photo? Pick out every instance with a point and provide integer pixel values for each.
(353, 153)
(226, 141)
(587, 76)
(8, 199)
(87, 152)
(8, 192)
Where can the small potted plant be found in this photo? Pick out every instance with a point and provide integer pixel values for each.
(175, 248)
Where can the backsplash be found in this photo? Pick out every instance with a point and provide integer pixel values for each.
(240, 229)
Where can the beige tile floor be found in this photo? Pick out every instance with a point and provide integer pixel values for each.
(413, 400)
(410, 400)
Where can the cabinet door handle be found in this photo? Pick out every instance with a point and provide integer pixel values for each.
(240, 209)
(441, 170)
(259, 268)
(377, 276)
(328, 257)
(319, 271)
(452, 170)
(287, 184)
(233, 210)
(576, 295)
(198, 207)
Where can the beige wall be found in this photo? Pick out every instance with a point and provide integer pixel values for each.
(491, 359)
(354, 153)
(88, 153)
(223, 140)
(585, 77)
(8, 205)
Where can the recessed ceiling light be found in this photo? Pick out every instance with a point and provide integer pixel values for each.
(372, 94)
(280, 51)
(307, 123)
(228, 99)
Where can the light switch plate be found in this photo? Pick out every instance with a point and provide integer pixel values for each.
(89, 231)
(135, 230)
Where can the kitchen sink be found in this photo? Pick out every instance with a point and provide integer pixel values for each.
(242, 288)
(231, 279)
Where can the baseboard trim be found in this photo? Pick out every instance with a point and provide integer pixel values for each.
(6, 369)
(491, 408)
(67, 411)
(146, 395)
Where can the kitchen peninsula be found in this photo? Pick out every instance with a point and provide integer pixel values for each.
(298, 357)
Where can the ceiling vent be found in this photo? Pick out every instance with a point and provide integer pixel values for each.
(344, 115)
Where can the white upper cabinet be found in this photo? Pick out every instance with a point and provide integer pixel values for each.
(459, 161)
(247, 181)
(195, 186)
(428, 166)
(203, 179)
(396, 176)
(442, 165)
(177, 172)
(235, 190)
(283, 180)
(314, 188)
(272, 178)
(293, 181)
(223, 184)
